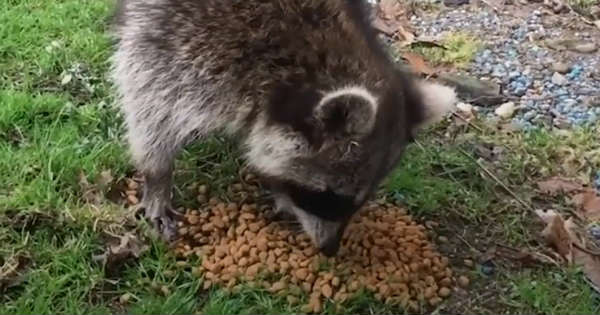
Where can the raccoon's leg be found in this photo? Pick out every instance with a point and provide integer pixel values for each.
(154, 155)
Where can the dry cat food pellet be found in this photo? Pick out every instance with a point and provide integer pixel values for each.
(383, 251)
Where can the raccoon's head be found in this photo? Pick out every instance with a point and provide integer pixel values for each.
(324, 153)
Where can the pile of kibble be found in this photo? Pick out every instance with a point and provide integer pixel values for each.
(383, 251)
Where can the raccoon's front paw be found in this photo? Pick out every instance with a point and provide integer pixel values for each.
(282, 211)
(162, 220)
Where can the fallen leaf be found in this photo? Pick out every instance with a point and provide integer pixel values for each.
(589, 263)
(564, 236)
(12, 271)
(417, 63)
(120, 250)
(556, 234)
(524, 257)
(588, 202)
(93, 193)
(90, 193)
(591, 266)
(556, 185)
(390, 19)
(105, 178)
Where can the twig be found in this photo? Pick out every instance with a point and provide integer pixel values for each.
(491, 6)
(498, 181)
(589, 251)
(468, 244)
(468, 122)
(420, 145)
(583, 18)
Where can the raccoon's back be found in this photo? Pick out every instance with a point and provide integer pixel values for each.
(256, 43)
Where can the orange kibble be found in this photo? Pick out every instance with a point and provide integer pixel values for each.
(335, 282)
(327, 291)
(429, 292)
(382, 250)
(444, 292)
(263, 256)
(254, 227)
(278, 286)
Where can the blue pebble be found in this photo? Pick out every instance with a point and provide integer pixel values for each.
(595, 230)
(570, 102)
(529, 115)
(520, 91)
(514, 75)
(597, 180)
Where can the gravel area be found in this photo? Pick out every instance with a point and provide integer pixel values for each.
(550, 87)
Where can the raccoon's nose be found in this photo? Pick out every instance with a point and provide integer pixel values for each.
(330, 248)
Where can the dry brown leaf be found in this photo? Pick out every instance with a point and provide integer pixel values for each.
(105, 178)
(417, 62)
(12, 271)
(390, 19)
(556, 234)
(90, 193)
(588, 202)
(556, 185)
(120, 250)
(523, 256)
(563, 236)
(93, 192)
(589, 263)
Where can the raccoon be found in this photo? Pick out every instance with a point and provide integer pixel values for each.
(322, 112)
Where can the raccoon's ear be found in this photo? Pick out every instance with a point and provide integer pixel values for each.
(350, 111)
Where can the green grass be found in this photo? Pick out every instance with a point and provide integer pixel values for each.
(553, 293)
(458, 50)
(58, 120)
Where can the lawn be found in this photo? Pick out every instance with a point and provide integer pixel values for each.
(60, 128)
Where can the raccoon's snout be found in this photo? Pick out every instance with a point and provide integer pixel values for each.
(331, 246)
(326, 235)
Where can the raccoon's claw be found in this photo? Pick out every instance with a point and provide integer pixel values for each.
(165, 226)
(161, 221)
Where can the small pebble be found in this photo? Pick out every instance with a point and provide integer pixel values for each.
(123, 299)
(165, 290)
(463, 281)
(442, 239)
(506, 110)
(468, 262)
(559, 79)
(444, 292)
(488, 268)
(560, 67)
(585, 48)
(203, 189)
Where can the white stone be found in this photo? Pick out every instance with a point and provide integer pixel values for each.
(559, 79)
(464, 107)
(506, 110)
